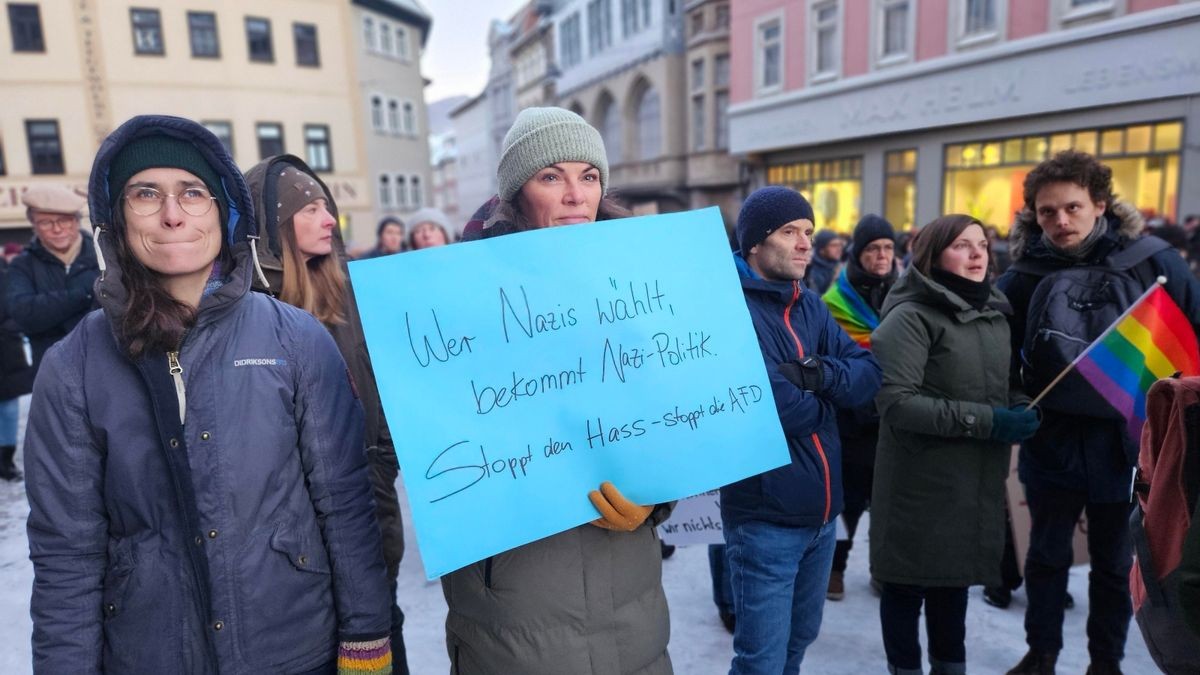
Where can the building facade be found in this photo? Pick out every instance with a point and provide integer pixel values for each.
(915, 108)
(621, 67)
(713, 174)
(475, 156)
(531, 52)
(279, 76)
(390, 38)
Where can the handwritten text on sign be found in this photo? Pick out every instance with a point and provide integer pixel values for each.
(518, 373)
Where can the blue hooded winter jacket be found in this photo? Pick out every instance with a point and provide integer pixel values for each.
(241, 539)
(793, 322)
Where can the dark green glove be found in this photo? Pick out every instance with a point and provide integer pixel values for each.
(1014, 424)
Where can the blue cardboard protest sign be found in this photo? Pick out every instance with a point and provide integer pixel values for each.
(518, 373)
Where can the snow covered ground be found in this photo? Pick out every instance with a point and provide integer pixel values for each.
(849, 644)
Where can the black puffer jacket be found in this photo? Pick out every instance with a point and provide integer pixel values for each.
(47, 298)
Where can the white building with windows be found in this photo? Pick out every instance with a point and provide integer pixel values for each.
(391, 38)
(268, 77)
(476, 158)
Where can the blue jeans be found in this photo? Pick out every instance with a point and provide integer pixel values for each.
(779, 576)
(10, 410)
(718, 566)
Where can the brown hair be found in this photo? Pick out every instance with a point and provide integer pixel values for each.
(1070, 166)
(935, 237)
(153, 320)
(318, 285)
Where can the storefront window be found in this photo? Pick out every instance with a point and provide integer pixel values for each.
(900, 188)
(833, 187)
(984, 179)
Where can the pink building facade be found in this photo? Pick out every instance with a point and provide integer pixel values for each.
(915, 108)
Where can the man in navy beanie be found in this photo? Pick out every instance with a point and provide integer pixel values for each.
(779, 525)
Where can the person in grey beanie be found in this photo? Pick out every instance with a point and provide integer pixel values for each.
(588, 600)
(779, 525)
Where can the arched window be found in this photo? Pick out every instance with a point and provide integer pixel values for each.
(385, 38)
(416, 199)
(410, 119)
(394, 116)
(369, 33)
(402, 43)
(610, 129)
(385, 190)
(649, 125)
(377, 113)
(401, 192)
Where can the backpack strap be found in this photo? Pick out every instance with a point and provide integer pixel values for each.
(1136, 252)
(1137, 530)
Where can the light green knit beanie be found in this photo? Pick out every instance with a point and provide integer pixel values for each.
(540, 137)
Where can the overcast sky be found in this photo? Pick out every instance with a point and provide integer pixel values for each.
(456, 56)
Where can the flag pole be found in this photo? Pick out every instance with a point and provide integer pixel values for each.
(1071, 366)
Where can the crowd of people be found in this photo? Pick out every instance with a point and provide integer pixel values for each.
(211, 476)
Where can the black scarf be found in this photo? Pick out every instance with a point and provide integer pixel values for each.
(873, 288)
(975, 293)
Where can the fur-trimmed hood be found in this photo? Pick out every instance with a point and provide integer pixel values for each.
(1124, 217)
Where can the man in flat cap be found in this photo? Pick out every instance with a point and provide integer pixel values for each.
(50, 283)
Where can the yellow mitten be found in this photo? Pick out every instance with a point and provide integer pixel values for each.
(617, 512)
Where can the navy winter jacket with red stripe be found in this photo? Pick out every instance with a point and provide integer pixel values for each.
(793, 322)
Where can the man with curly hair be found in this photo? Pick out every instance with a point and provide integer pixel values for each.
(1073, 230)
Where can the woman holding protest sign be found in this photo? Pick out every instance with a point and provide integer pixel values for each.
(303, 262)
(588, 600)
(948, 419)
(199, 501)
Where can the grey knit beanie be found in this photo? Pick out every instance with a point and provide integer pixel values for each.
(543, 136)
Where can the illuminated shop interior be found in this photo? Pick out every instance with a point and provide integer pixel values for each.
(984, 178)
(833, 187)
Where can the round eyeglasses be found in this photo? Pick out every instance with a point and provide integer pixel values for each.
(147, 201)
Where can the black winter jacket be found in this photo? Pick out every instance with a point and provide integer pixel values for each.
(47, 298)
(1084, 454)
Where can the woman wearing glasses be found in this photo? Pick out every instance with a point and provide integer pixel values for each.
(198, 495)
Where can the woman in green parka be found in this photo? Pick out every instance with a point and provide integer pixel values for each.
(948, 419)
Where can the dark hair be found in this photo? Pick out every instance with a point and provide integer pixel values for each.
(153, 320)
(388, 220)
(1070, 166)
(935, 237)
(510, 213)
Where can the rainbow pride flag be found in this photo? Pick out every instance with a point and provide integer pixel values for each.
(1154, 340)
(851, 312)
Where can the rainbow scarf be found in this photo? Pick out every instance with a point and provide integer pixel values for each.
(1153, 341)
(851, 312)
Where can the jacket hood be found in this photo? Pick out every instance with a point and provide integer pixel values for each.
(1123, 217)
(916, 287)
(239, 230)
(265, 205)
